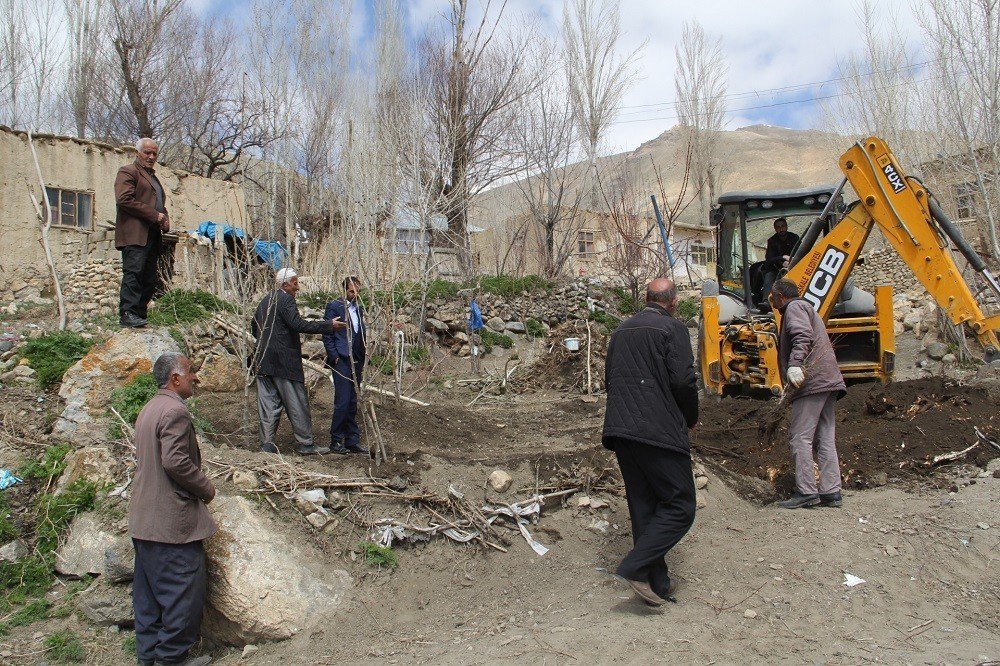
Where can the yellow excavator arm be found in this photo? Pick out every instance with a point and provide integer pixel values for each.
(913, 224)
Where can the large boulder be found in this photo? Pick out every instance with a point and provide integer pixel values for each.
(94, 463)
(90, 548)
(264, 585)
(222, 373)
(87, 386)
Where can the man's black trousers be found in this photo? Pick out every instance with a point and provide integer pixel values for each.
(139, 278)
(168, 596)
(659, 486)
(344, 424)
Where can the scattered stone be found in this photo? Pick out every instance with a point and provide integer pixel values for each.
(249, 651)
(515, 327)
(700, 501)
(309, 501)
(500, 481)
(245, 480)
(597, 503)
(983, 526)
(87, 386)
(949, 359)
(749, 614)
(13, 551)
(496, 324)
(582, 501)
(599, 526)
(264, 584)
(85, 549)
(700, 482)
(436, 325)
(107, 606)
(318, 519)
(937, 350)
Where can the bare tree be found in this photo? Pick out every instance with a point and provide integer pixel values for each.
(477, 75)
(700, 82)
(30, 55)
(598, 77)
(631, 248)
(672, 207)
(84, 48)
(964, 36)
(546, 148)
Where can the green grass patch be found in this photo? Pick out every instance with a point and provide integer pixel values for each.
(688, 309)
(376, 555)
(178, 337)
(55, 512)
(8, 532)
(30, 613)
(534, 327)
(627, 305)
(23, 579)
(63, 646)
(51, 464)
(380, 363)
(493, 339)
(128, 645)
(51, 355)
(183, 306)
(418, 356)
(129, 400)
(609, 321)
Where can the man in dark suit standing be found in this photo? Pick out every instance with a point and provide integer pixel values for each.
(141, 204)
(168, 520)
(652, 402)
(345, 356)
(277, 363)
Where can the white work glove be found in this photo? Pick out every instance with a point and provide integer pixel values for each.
(796, 376)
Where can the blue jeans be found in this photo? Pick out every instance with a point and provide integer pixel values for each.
(344, 426)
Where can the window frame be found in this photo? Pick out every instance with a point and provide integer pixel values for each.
(57, 211)
(591, 243)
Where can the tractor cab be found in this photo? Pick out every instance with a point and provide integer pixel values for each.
(744, 222)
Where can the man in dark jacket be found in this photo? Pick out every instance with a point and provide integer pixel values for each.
(652, 402)
(345, 356)
(813, 385)
(277, 363)
(168, 521)
(779, 249)
(141, 204)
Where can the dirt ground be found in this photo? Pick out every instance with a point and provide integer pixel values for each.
(757, 584)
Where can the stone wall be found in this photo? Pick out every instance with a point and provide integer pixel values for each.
(885, 266)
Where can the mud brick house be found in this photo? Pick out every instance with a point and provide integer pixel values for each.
(79, 181)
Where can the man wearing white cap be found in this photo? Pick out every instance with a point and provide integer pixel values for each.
(277, 363)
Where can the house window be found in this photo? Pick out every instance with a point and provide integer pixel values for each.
(702, 255)
(585, 245)
(69, 208)
(412, 241)
(964, 200)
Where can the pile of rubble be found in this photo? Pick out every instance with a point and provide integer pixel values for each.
(885, 266)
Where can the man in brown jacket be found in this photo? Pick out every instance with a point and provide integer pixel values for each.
(813, 385)
(141, 218)
(168, 520)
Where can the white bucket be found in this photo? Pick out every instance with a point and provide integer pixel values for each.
(572, 344)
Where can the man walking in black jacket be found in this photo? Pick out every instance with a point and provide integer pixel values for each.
(652, 402)
(277, 362)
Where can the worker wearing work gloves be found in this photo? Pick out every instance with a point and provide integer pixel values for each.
(814, 384)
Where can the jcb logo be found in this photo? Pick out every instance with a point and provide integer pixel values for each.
(826, 274)
(893, 177)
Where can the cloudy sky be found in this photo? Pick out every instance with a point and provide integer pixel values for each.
(783, 55)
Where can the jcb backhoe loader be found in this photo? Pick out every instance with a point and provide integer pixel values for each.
(738, 338)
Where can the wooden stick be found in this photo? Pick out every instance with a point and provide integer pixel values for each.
(590, 390)
(45, 223)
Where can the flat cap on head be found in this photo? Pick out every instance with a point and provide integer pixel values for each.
(284, 275)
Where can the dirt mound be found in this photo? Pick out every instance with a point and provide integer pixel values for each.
(882, 432)
(565, 370)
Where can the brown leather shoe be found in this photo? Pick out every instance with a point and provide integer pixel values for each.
(646, 593)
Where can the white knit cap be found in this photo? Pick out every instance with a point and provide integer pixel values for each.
(284, 275)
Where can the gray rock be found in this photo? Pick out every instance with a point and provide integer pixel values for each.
(599, 525)
(937, 350)
(14, 550)
(84, 551)
(6, 345)
(94, 463)
(948, 358)
(436, 325)
(107, 606)
(515, 327)
(496, 324)
(264, 582)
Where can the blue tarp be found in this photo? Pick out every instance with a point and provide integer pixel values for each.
(475, 316)
(271, 253)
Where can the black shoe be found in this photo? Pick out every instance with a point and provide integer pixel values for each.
(313, 450)
(832, 500)
(190, 661)
(145, 662)
(129, 320)
(338, 448)
(354, 448)
(799, 501)
(268, 448)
